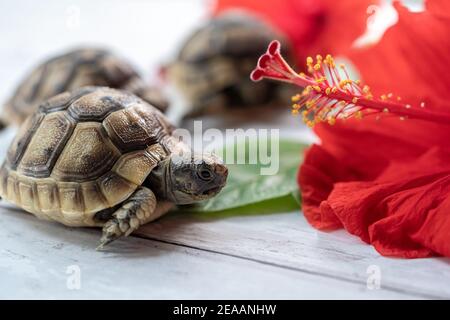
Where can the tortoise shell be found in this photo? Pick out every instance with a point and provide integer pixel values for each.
(75, 69)
(83, 152)
(213, 66)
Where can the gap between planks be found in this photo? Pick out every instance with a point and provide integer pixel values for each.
(276, 265)
(287, 241)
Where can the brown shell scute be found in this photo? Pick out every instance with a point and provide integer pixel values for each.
(48, 197)
(46, 144)
(87, 155)
(23, 137)
(134, 128)
(56, 103)
(63, 100)
(115, 188)
(135, 166)
(94, 107)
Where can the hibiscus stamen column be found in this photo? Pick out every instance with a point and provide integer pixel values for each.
(329, 94)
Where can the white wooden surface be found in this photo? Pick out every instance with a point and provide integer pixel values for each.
(35, 256)
(181, 256)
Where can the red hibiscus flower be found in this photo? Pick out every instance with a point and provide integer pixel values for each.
(385, 177)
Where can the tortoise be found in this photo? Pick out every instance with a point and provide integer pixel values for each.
(102, 157)
(71, 70)
(213, 66)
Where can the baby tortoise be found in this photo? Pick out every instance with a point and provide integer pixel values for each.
(213, 66)
(72, 70)
(104, 157)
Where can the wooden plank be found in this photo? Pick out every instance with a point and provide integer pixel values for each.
(35, 256)
(287, 240)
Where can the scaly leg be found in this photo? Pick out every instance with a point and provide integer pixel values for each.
(137, 210)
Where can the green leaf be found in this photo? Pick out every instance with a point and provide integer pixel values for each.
(247, 191)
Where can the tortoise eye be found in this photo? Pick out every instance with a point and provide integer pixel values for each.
(205, 174)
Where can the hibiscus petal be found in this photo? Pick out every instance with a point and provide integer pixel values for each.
(316, 178)
(404, 212)
(414, 52)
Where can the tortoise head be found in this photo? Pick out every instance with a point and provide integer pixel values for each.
(189, 178)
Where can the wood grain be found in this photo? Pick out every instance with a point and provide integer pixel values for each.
(35, 255)
(287, 241)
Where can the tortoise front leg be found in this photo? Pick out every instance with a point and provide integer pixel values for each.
(137, 210)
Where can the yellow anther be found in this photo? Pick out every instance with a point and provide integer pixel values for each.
(334, 90)
(317, 66)
(329, 61)
(321, 79)
(319, 57)
(309, 61)
(294, 112)
(328, 91)
(307, 90)
(344, 82)
(358, 114)
(317, 88)
(302, 74)
(358, 82)
(355, 100)
(295, 98)
(331, 121)
(296, 106)
(342, 66)
(304, 114)
(369, 96)
(383, 97)
(366, 89)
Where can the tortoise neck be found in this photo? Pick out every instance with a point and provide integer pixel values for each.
(159, 180)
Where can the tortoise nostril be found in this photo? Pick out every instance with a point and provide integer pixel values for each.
(221, 170)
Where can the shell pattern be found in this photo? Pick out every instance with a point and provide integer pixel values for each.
(213, 67)
(70, 71)
(83, 152)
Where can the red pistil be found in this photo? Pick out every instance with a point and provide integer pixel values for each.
(329, 94)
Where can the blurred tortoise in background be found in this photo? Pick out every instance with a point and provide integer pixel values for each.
(104, 157)
(213, 66)
(71, 70)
